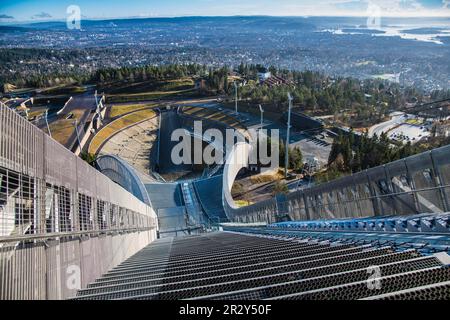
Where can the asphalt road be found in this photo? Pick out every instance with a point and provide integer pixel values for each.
(86, 102)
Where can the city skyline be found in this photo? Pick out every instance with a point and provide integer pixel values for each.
(45, 10)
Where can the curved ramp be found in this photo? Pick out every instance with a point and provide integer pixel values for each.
(124, 175)
(209, 193)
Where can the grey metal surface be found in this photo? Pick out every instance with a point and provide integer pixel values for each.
(238, 266)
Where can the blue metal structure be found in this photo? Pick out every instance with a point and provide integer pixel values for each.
(421, 223)
(427, 233)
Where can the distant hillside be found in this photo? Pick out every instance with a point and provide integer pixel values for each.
(5, 29)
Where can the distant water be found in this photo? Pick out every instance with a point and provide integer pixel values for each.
(418, 29)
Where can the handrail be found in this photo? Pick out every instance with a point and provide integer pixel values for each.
(70, 234)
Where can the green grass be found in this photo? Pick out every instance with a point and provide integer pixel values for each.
(149, 86)
(414, 121)
(62, 129)
(243, 203)
(149, 96)
(119, 110)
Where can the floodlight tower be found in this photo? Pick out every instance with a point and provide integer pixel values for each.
(286, 155)
(262, 118)
(46, 121)
(75, 123)
(235, 97)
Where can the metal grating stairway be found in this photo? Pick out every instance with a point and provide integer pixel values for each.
(236, 266)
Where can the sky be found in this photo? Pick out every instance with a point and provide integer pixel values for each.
(40, 10)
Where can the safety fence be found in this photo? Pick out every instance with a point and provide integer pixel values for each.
(49, 195)
(417, 184)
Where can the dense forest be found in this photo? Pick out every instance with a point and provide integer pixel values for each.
(352, 101)
(358, 152)
(352, 153)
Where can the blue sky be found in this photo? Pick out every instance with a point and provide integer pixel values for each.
(29, 10)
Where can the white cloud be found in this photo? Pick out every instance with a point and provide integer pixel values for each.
(42, 15)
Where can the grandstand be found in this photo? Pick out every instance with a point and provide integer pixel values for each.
(133, 144)
(220, 119)
(118, 125)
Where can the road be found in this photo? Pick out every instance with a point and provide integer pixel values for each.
(84, 102)
(397, 119)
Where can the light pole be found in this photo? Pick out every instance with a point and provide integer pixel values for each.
(286, 155)
(75, 123)
(262, 117)
(235, 97)
(46, 121)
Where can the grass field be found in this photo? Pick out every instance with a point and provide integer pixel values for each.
(149, 96)
(149, 90)
(36, 112)
(415, 122)
(119, 110)
(212, 114)
(243, 203)
(62, 129)
(266, 178)
(151, 85)
(64, 90)
(116, 126)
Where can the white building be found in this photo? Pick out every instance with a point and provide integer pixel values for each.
(263, 76)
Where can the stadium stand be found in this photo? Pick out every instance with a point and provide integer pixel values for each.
(133, 144)
(215, 118)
